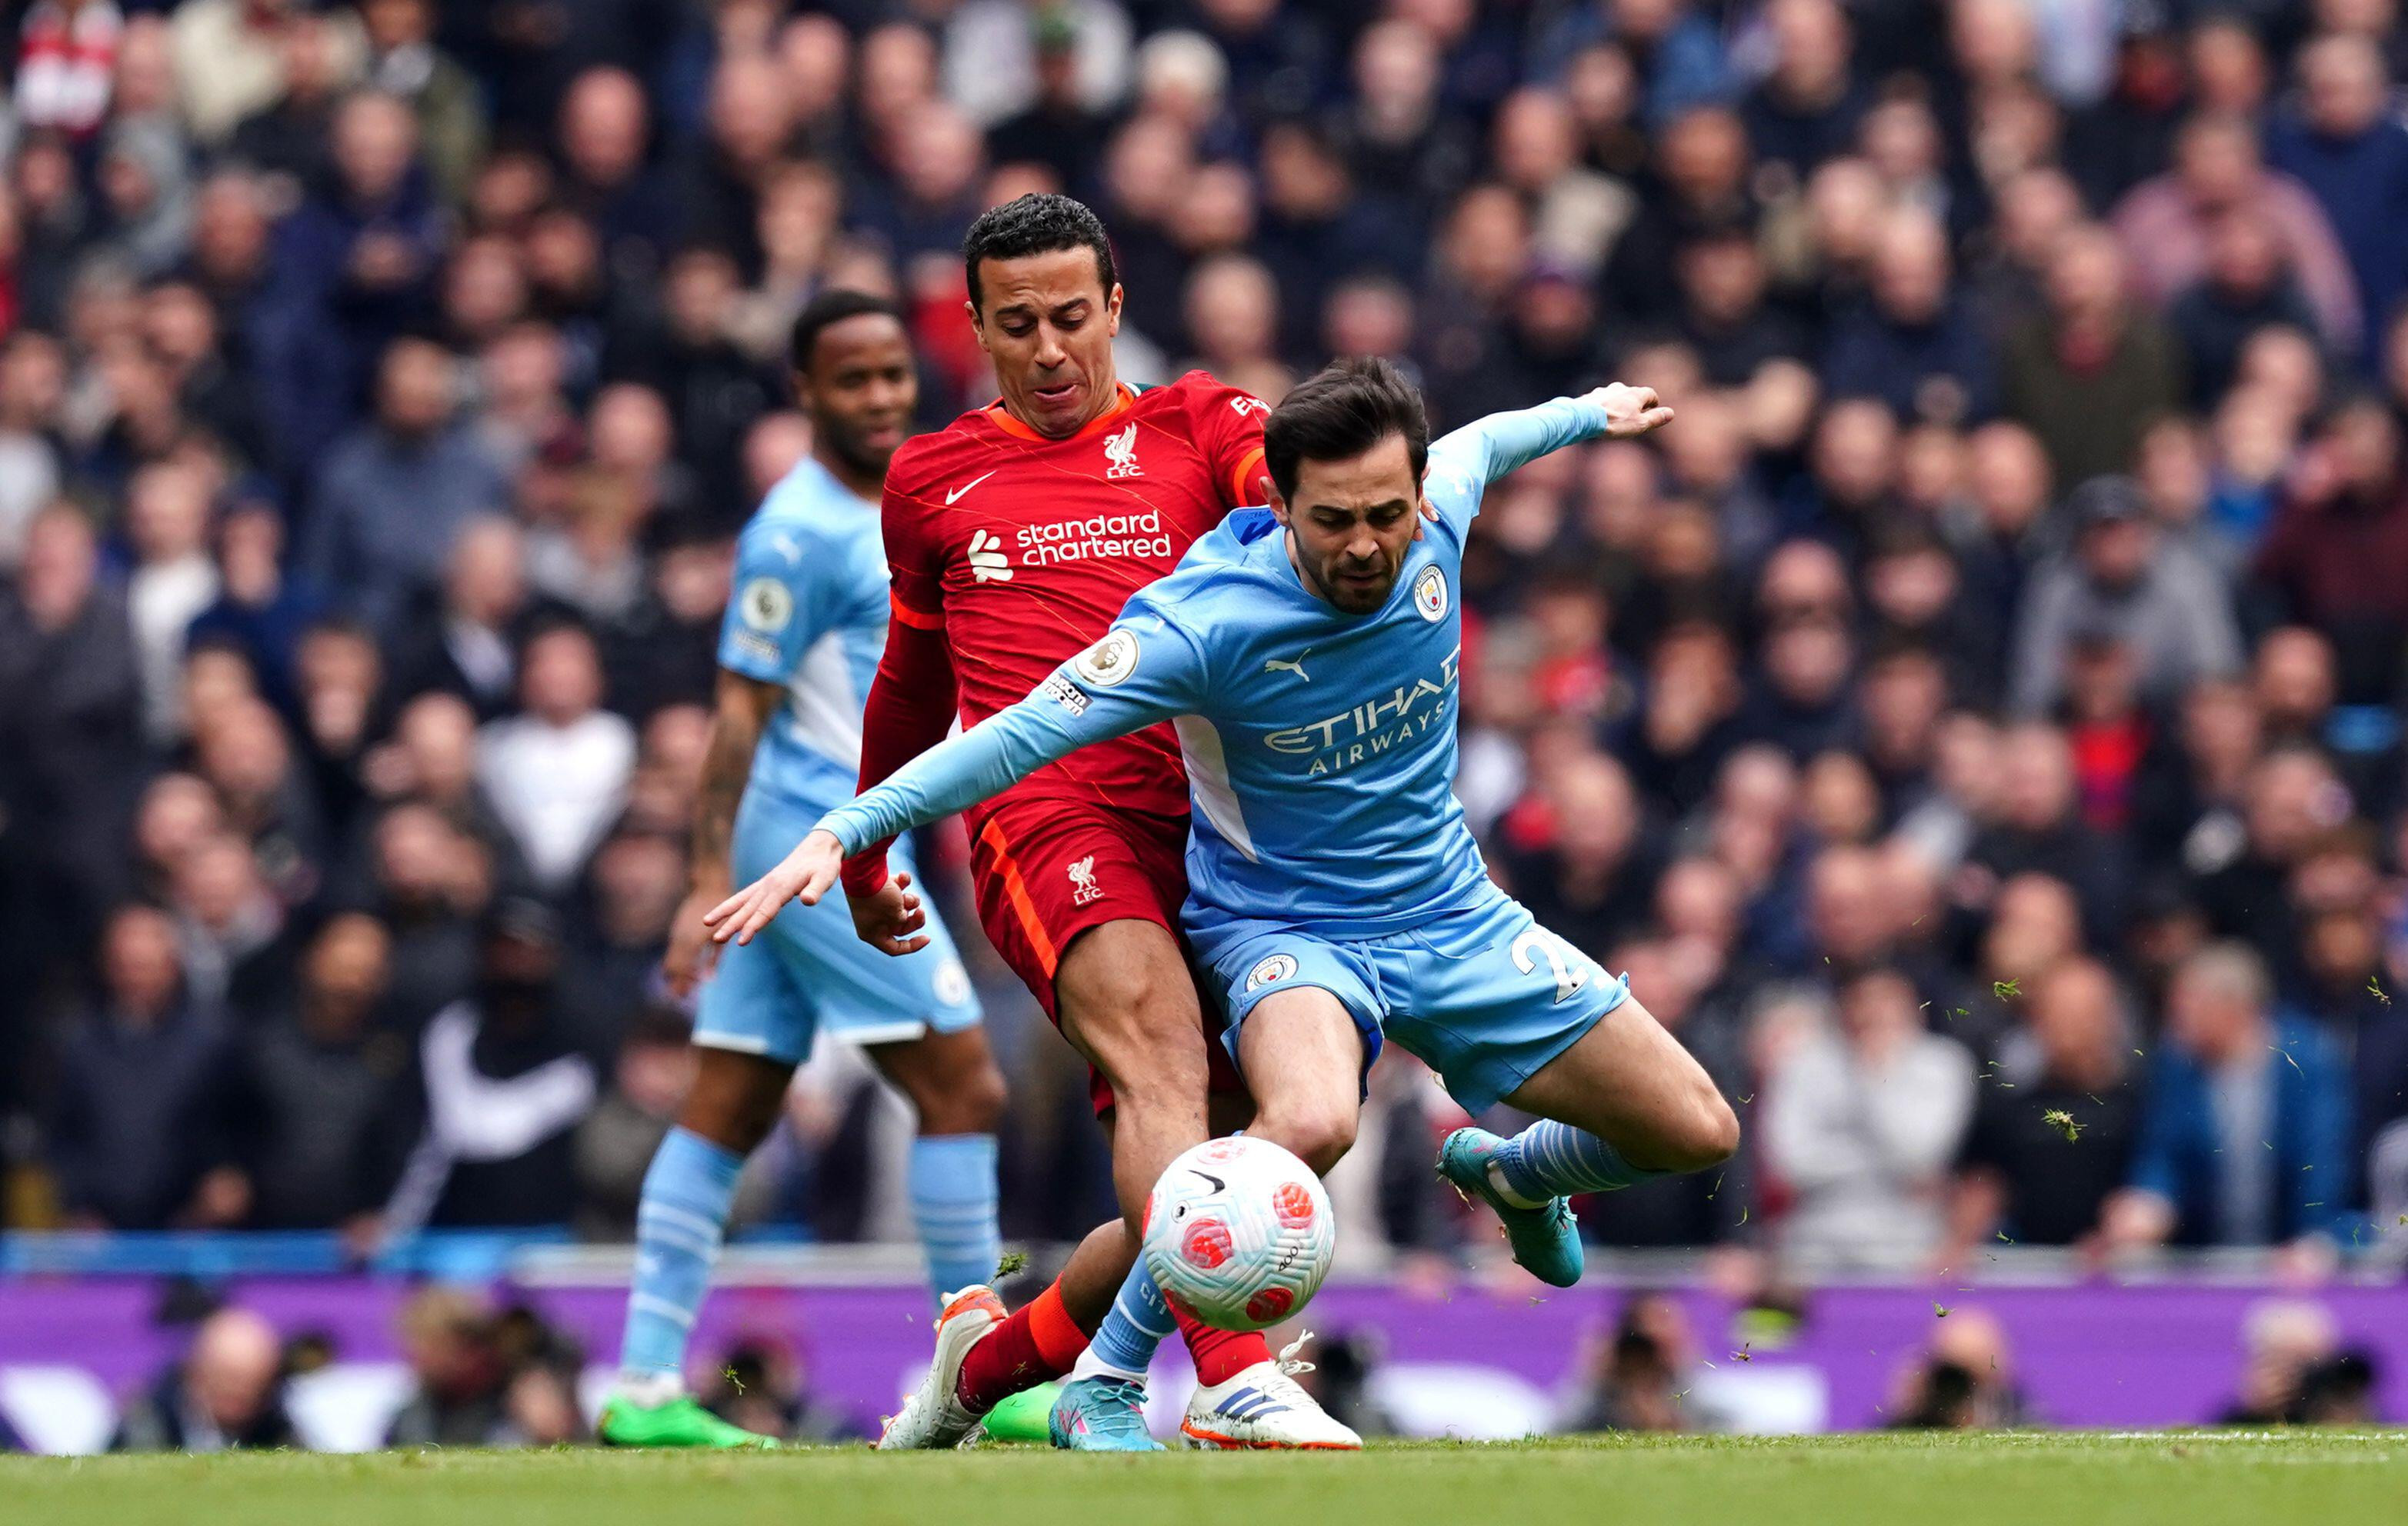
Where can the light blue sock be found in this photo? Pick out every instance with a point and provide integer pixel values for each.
(686, 1197)
(951, 1180)
(1140, 1320)
(1556, 1159)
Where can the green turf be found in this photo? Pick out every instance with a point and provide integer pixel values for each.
(2181, 1479)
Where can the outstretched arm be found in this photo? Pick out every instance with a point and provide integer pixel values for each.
(1142, 671)
(909, 708)
(1504, 443)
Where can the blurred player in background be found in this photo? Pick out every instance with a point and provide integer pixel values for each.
(1015, 536)
(802, 637)
(1310, 657)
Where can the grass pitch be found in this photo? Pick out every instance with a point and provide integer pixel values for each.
(2182, 1478)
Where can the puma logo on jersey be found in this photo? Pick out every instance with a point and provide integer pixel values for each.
(1121, 451)
(988, 563)
(1083, 889)
(1282, 665)
(954, 495)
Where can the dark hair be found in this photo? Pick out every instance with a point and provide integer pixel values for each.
(1038, 223)
(1348, 407)
(823, 311)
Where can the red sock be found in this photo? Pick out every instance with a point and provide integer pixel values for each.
(1036, 1342)
(1220, 1354)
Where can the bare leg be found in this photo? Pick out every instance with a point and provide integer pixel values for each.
(736, 1098)
(1631, 1084)
(950, 1080)
(1303, 1059)
(1127, 1003)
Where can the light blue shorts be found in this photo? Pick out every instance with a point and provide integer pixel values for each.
(1484, 996)
(809, 971)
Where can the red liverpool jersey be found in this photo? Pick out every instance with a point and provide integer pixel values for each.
(1022, 549)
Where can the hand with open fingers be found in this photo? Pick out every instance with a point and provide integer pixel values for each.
(803, 874)
(1630, 410)
(887, 918)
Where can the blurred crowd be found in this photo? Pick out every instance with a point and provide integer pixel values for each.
(1975, 725)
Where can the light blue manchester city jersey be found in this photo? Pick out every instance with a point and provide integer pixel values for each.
(808, 614)
(1320, 746)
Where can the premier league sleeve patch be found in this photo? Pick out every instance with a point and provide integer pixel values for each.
(1109, 662)
(766, 605)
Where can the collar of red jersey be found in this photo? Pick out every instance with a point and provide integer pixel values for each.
(1010, 425)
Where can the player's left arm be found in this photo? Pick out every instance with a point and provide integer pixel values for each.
(1502, 444)
(1143, 671)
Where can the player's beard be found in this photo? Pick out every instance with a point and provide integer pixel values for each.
(868, 461)
(1356, 594)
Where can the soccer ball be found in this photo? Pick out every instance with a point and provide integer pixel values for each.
(1239, 1233)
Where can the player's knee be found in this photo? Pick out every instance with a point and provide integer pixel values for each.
(1710, 1134)
(1317, 1133)
(971, 1102)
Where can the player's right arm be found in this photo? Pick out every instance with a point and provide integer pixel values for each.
(1144, 670)
(914, 697)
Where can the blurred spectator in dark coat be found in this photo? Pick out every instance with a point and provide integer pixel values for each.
(2047, 1149)
(605, 139)
(2037, 828)
(2244, 1139)
(503, 1087)
(70, 713)
(226, 1394)
(1807, 109)
(1915, 345)
(140, 1130)
(2346, 144)
(618, 933)
(2337, 556)
(464, 641)
(2245, 285)
(357, 259)
(326, 1085)
(2087, 376)
(394, 493)
(317, 56)
(428, 880)
(261, 608)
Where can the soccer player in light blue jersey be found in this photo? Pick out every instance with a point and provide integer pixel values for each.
(1309, 655)
(797, 649)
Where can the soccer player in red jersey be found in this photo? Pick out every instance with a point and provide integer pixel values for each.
(1013, 537)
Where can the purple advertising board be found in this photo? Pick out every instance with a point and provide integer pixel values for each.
(2086, 1355)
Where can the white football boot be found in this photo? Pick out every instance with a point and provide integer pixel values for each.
(932, 1418)
(1264, 1408)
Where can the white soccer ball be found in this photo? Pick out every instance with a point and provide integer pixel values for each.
(1239, 1231)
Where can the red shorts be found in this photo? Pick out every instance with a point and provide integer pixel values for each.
(1046, 870)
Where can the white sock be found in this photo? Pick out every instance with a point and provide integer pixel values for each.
(1091, 1365)
(1497, 1180)
(650, 1389)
